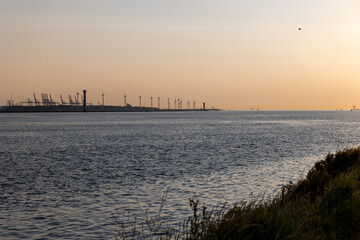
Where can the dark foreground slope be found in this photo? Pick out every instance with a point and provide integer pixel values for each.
(324, 205)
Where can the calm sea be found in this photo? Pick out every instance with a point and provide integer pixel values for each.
(72, 175)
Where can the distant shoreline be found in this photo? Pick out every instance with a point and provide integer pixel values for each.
(91, 108)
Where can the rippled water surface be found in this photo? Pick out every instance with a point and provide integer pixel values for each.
(65, 175)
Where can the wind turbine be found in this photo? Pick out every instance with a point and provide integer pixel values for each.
(102, 95)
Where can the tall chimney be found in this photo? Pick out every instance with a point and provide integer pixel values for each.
(84, 103)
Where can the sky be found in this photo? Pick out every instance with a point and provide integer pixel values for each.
(231, 54)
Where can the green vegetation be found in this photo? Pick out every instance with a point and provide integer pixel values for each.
(324, 205)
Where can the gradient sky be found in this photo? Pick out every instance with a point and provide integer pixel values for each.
(231, 54)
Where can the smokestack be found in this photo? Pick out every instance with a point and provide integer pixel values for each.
(84, 103)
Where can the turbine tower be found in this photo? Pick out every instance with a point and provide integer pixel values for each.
(102, 95)
(140, 101)
(151, 98)
(188, 105)
(158, 102)
(194, 105)
(175, 104)
(125, 104)
(168, 103)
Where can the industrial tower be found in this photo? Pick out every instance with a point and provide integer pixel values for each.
(84, 100)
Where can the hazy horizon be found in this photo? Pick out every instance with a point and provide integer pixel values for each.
(233, 55)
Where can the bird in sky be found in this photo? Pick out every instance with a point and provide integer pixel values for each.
(299, 29)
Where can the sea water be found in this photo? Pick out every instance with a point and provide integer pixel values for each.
(74, 175)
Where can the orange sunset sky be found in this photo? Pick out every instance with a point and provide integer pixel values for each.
(231, 54)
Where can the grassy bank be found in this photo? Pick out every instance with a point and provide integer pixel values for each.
(324, 205)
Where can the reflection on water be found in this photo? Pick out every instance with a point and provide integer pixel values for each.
(63, 175)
